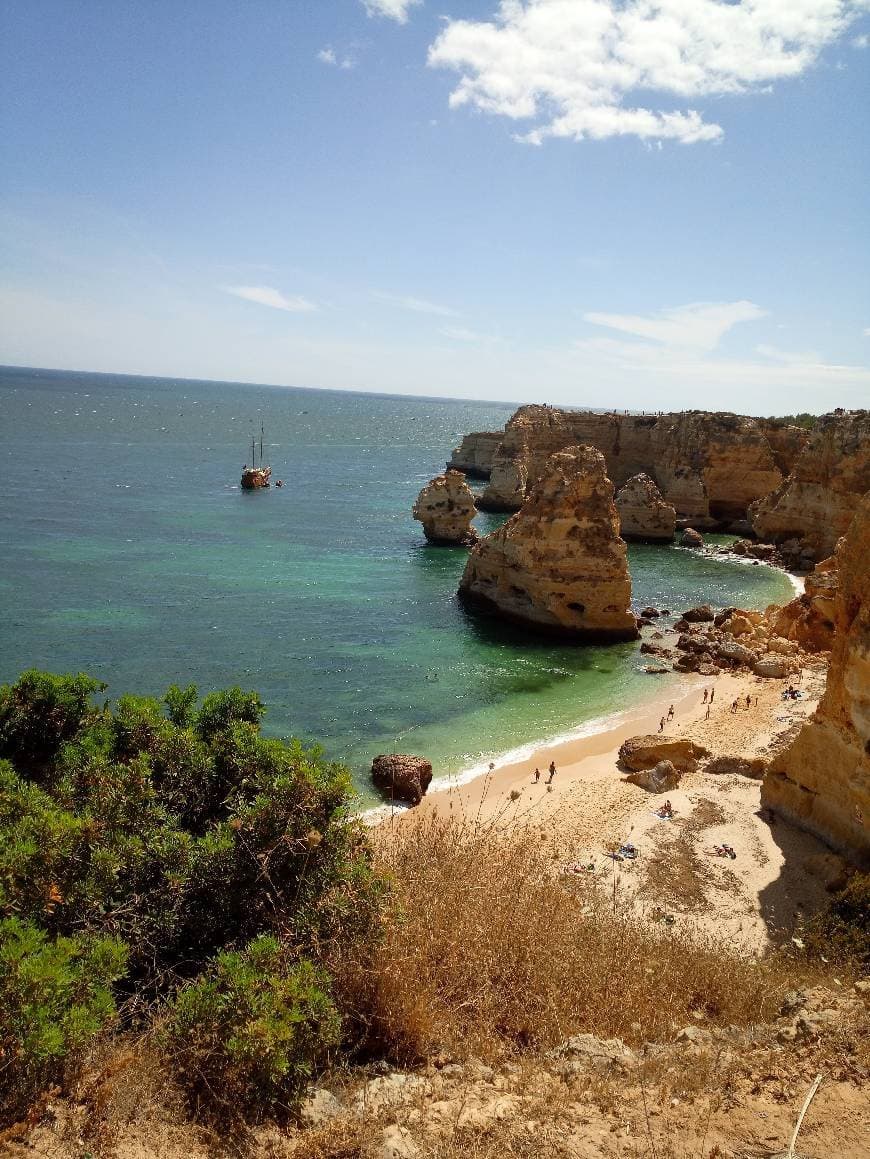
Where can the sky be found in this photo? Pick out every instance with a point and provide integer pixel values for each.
(645, 204)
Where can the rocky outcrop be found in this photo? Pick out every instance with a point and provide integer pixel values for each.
(815, 503)
(475, 453)
(647, 751)
(809, 618)
(710, 467)
(661, 778)
(691, 538)
(446, 508)
(559, 564)
(822, 782)
(401, 777)
(643, 514)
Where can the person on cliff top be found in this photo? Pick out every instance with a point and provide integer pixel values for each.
(552, 772)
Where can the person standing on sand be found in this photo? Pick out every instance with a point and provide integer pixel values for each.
(537, 776)
(707, 714)
(712, 694)
(705, 696)
(748, 700)
(552, 771)
(662, 725)
(671, 713)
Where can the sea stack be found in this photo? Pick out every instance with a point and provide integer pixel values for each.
(558, 565)
(643, 514)
(822, 782)
(446, 508)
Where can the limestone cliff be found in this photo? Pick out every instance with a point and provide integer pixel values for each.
(558, 565)
(816, 502)
(786, 443)
(446, 508)
(710, 467)
(475, 453)
(822, 782)
(643, 514)
(809, 619)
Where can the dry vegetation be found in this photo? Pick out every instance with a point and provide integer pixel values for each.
(487, 950)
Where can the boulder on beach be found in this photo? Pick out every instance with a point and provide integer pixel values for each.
(661, 778)
(691, 538)
(754, 767)
(773, 666)
(646, 751)
(402, 777)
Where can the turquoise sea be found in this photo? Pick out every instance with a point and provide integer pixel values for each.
(127, 550)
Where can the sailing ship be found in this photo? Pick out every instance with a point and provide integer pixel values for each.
(254, 477)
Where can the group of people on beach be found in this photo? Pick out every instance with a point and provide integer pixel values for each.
(667, 719)
(537, 774)
(738, 703)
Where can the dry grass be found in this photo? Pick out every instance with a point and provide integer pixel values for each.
(486, 951)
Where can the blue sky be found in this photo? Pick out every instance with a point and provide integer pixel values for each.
(598, 202)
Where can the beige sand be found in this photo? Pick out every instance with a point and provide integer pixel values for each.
(755, 899)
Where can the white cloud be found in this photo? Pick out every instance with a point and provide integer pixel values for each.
(328, 56)
(461, 334)
(394, 9)
(867, 331)
(267, 296)
(418, 305)
(573, 66)
(697, 327)
(861, 41)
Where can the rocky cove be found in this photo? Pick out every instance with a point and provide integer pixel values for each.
(558, 565)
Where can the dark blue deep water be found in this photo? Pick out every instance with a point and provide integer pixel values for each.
(127, 550)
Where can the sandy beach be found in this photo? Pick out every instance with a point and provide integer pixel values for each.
(759, 897)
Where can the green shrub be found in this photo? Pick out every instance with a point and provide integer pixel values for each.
(252, 1029)
(39, 713)
(185, 834)
(55, 997)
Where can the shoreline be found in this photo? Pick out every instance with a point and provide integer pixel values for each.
(561, 746)
(758, 899)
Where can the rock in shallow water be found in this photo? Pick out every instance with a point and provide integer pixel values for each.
(446, 508)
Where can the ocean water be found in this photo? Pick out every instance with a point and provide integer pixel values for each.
(128, 551)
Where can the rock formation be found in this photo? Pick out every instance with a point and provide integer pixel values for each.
(559, 564)
(643, 514)
(661, 778)
(809, 618)
(691, 538)
(815, 503)
(475, 453)
(402, 777)
(446, 508)
(822, 782)
(646, 751)
(710, 467)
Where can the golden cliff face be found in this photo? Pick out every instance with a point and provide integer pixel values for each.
(559, 564)
(815, 504)
(710, 467)
(475, 453)
(643, 514)
(446, 508)
(822, 782)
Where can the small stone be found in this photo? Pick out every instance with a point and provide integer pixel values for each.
(318, 1107)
